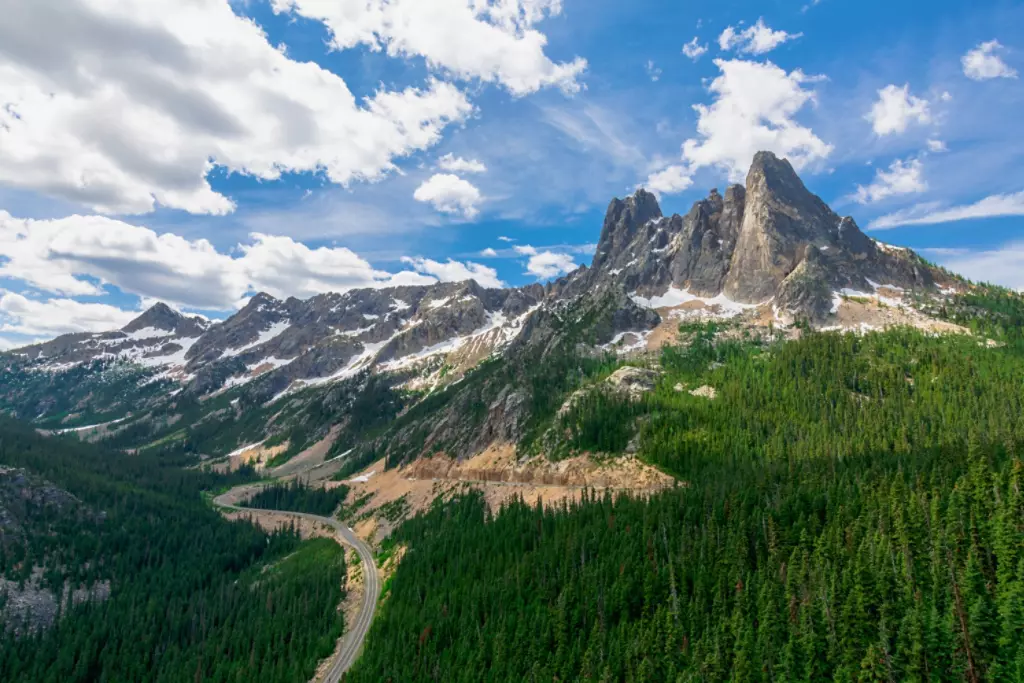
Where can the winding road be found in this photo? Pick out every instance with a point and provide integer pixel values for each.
(355, 633)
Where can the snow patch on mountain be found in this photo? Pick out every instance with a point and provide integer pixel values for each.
(264, 336)
(674, 296)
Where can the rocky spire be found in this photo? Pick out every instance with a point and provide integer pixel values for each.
(772, 239)
(621, 223)
(780, 218)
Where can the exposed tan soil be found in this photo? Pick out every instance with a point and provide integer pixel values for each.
(269, 520)
(880, 310)
(500, 476)
(872, 313)
(257, 456)
(354, 586)
(307, 459)
(272, 521)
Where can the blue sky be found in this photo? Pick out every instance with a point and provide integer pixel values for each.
(150, 151)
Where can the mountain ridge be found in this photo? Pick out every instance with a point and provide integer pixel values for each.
(768, 244)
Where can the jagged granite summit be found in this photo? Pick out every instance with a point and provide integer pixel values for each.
(771, 243)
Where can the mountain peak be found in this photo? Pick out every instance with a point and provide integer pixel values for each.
(747, 244)
(261, 298)
(777, 176)
(644, 205)
(159, 316)
(781, 217)
(622, 221)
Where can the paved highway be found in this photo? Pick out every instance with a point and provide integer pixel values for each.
(355, 633)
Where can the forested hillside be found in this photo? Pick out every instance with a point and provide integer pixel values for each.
(193, 597)
(298, 497)
(850, 508)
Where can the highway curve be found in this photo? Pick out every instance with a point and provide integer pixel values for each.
(355, 633)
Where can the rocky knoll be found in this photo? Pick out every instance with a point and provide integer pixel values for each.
(32, 510)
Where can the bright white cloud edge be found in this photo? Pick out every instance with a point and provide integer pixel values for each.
(754, 108)
(896, 109)
(983, 63)
(203, 88)
(453, 164)
(758, 39)
(494, 42)
(994, 206)
(81, 255)
(901, 178)
(448, 193)
(694, 50)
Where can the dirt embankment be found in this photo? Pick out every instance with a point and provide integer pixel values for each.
(499, 464)
(885, 310)
(497, 473)
(272, 521)
(307, 459)
(256, 455)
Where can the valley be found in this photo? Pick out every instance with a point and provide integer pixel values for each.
(747, 443)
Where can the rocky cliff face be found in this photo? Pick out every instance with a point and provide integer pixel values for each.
(770, 241)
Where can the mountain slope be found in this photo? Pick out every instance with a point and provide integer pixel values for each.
(766, 254)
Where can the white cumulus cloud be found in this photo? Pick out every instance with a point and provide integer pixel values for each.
(983, 63)
(127, 105)
(453, 164)
(694, 50)
(669, 180)
(52, 317)
(937, 146)
(78, 255)
(456, 271)
(753, 109)
(284, 267)
(491, 40)
(902, 177)
(758, 39)
(895, 109)
(545, 263)
(548, 264)
(449, 193)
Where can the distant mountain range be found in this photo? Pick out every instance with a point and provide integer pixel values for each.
(769, 244)
(769, 256)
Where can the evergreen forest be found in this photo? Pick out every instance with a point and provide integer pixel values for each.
(297, 496)
(848, 508)
(192, 597)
